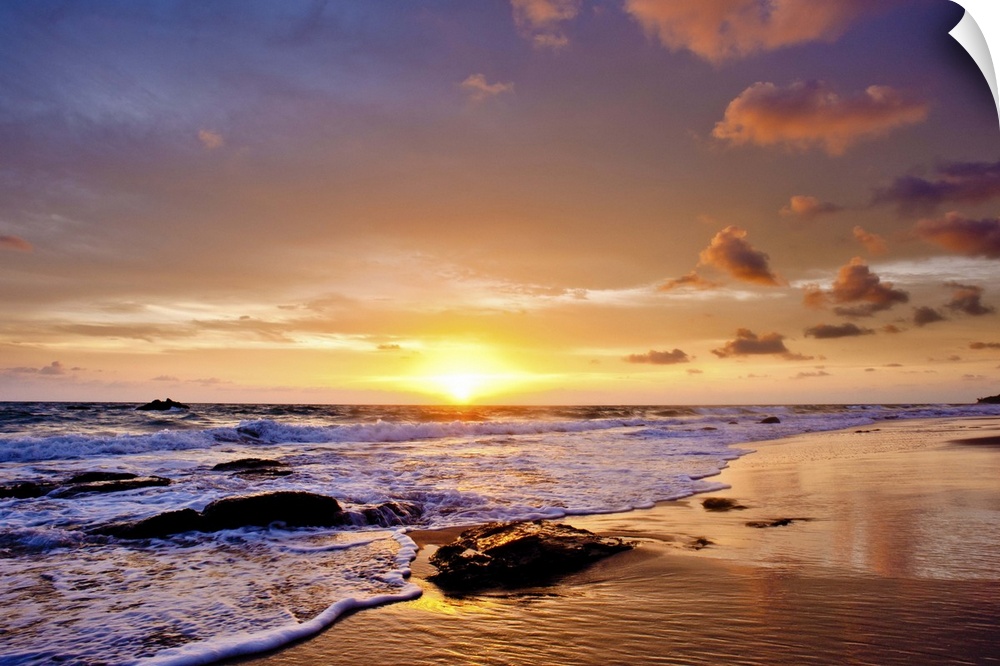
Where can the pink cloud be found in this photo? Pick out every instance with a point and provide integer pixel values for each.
(479, 90)
(729, 251)
(15, 243)
(719, 30)
(811, 114)
(539, 20)
(962, 235)
(210, 139)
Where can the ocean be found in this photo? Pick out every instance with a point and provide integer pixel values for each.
(72, 594)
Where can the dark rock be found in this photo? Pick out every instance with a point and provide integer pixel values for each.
(161, 405)
(699, 543)
(780, 522)
(512, 554)
(246, 464)
(25, 489)
(131, 482)
(91, 477)
(720, 504)
(292, 508)
(990, 400)
(770, 419)
(158, 526)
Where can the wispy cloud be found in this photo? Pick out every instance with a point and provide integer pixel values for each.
(211, 140)
(872, 242)
(541, 20)
(15, 243)
(479, 89)
(811, 114)
(806, 207)
(830, 331)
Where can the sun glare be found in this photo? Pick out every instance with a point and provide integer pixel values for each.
(465, 375)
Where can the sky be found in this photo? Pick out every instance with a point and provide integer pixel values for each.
(497, 202)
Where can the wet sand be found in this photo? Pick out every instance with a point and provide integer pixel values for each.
(898, 563)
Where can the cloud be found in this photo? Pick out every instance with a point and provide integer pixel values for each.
(165, 378)
(729, 251)
(480, 90)
(659, 357)
(692, 280)
(967, 299)
(856, 284)
(720, 30)
(926, 315)
(810, 114)
(874, 243)
(961, 235)
(539, 20)
(15, 243)
(957, 182)
(807, 375)
(748, 343)
(211, 140)
(828, 331)
(388, 347)
(891, 328)
(808, 207)
(52, 369)
(984, 345)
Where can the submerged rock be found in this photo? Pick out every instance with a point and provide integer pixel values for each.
(290, 508)
(511, 554)
(25, 489)
(161, 405)
(109, 485)
(254, 468)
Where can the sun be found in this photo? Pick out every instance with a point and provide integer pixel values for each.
(465, 374)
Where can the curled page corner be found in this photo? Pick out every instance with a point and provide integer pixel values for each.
(979, 33)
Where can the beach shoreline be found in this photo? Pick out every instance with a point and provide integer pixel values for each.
(893, 565)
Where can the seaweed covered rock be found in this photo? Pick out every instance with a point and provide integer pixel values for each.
(721, 504)
(511, 554)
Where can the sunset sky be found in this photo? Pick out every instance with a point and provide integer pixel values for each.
(523, 201)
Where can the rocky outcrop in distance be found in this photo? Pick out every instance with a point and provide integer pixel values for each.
(990, 400)
(161, 406)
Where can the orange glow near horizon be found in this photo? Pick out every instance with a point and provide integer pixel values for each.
(465, 374)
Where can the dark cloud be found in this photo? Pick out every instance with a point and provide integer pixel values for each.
(857, 291)
(984, 345)
(961, 235)
(808, 207)
(924, 315)
(967, 299)
(827, 331)
(729, 251)
(959, 182)
(691, 280)
(15, 243)
(811, 114)
(748, 343)
(659, 357)
(874, 243)
(891, 328)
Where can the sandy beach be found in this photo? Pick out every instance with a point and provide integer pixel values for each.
(891, 560)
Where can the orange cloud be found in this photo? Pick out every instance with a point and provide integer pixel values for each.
(829, 331)
(730, 252)
(807, 207)
(856, 283)
(748, 343)
(719, 30)
(15, 243)
(874, 243)
(967, 299)
(659, 357)
(810, 114)
(539, 20)
(479, 89)
(926, 315)
(691, 279)
(973, 238)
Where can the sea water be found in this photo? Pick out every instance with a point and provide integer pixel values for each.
(73, 597)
